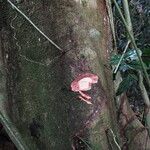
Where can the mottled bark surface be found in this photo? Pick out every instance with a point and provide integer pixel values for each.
(38, 99)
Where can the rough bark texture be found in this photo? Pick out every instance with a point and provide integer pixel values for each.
(37, 76)
(39, 100)
(133, 134)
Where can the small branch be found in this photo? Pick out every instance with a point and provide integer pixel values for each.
(110, 15)
(127, 15)
(28, 19)
(146, 101)
(141, 85)
(133, 42)
(116, 69)
(143, 90)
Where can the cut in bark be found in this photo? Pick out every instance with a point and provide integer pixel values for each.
(40, 101)
(37, 96)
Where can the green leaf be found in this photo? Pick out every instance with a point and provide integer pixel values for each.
(135, 65)
(132, 55)
(146, 51)
(123, 67)
(146, 56)
(115, 59)
(126, 84)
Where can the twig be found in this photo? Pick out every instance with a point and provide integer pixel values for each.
(127, 15)
(141, 85)
(133, 42)
(28, 19)
(146, 101)
(116, 69)
(110, 15)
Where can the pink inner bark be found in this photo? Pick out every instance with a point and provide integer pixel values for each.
(83, 82)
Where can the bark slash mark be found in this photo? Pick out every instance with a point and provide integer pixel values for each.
(83, 83)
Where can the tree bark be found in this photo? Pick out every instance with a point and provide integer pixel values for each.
(37, 94)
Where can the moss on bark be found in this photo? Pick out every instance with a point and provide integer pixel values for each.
(47, 114)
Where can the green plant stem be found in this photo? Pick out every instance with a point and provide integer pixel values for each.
(134, 43)
(13, 133)
(141, 85)
(110, 14)
(146, 100)
(116, 69)
(127, 15)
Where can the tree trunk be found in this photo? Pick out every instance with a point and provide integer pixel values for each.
(36, 91)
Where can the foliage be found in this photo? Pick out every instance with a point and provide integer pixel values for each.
(130, 64)
(146, 57)
(129, 61)
(127, 82)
